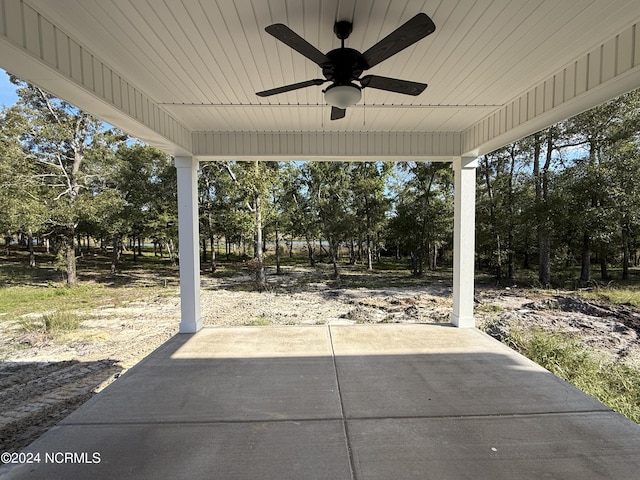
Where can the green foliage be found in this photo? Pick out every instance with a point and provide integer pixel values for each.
(423, 220)
(564, 197)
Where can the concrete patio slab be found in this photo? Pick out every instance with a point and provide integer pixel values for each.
(568, 446)
(231, 374)
(245, 450)
(443, 371)
(337, 402)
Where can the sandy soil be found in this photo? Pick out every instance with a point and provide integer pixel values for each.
(43, 378)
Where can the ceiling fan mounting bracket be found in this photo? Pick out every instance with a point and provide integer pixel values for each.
(343, 29)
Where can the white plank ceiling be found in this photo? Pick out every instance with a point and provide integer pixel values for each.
(203, 60)
(200, 62)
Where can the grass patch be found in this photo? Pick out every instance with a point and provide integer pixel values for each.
(21, 300)
(615, 384)
(618, 296)
(17, 301)
(61, 321)
(489, 308)
(53, 325)
(261, 321)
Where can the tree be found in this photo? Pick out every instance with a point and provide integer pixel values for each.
(599, 129)
(368, 183)
(423, 218)
(298, 207)
(254, 180)
(133, 180)
(329, 195)
(625, 159)
(20, 185)
(59, 138)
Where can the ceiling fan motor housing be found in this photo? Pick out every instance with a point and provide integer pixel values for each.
(344, 67)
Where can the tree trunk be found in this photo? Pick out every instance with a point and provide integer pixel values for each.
(79, 252)
(433, 258)
(170, 252)
(278, 268)
(414, 264)
(544, 269)
(542, 195)
(261, 278)
(604, 268)
(115, 254)
(70, 258)
(585, 258)
(625, 253)
(511, 262)
(493, 219)
(352, 252)
(214, 266)
(312, 260)
(334, 258)
(32, 256)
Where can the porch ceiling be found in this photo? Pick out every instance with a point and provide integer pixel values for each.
(183, 73)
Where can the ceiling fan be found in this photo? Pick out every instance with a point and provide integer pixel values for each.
(344, 66)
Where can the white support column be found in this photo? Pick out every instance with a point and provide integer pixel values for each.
(464, 231)
(188, 234)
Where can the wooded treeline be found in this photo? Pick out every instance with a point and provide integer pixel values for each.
(567, 196)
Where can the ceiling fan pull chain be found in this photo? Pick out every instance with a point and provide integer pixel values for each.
(364, 107)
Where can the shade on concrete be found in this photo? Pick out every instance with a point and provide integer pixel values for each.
(339, 402)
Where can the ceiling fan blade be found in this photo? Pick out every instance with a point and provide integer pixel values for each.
(404, 36)
(393, 85)
(293, 86)
(295, 41)
(338, 113)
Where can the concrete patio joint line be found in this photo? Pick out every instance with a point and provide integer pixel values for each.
(345, 426)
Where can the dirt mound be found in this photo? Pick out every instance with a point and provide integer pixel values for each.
(620, 315)
(608, 328)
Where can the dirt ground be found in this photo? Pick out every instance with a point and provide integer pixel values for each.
(44, 378)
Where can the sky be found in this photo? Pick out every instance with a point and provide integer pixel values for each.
(7, 90)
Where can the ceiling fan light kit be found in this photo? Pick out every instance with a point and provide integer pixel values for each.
(344, 66)
(343, 96)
